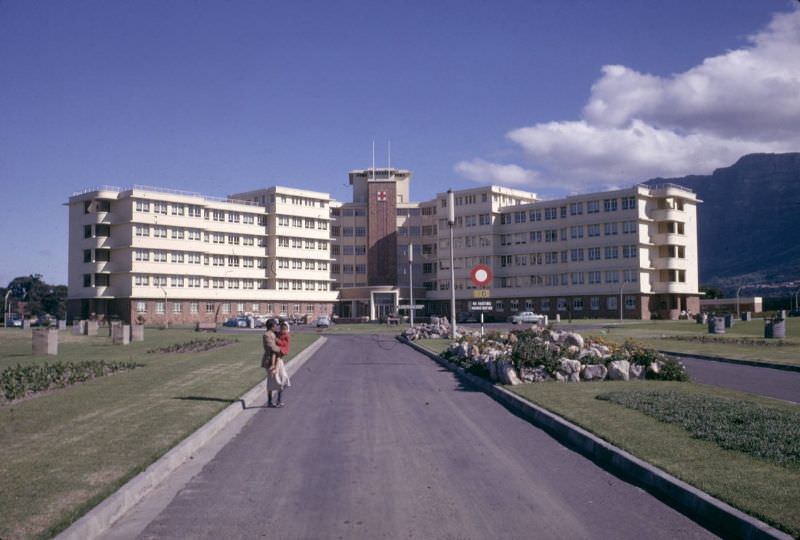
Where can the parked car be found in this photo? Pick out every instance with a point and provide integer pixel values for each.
(323, 321)
(237, 322)
(468, 317)
(525, 317)
(14, 322)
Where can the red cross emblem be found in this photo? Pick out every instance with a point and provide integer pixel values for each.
(381, 196)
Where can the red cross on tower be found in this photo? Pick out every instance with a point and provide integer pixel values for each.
(381, 196)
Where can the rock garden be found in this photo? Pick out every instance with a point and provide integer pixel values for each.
(545, 354)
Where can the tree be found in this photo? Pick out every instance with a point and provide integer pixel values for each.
(711, 292)
(40, 297)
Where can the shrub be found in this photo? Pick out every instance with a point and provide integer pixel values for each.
(671, 370)
(20, 381)
(196, 345)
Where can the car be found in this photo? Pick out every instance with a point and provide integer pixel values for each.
(14, 322)
(468, 317)
(525, 317)
(323, 321)
(237, 322)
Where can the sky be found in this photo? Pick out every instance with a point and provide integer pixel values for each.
(552, 96)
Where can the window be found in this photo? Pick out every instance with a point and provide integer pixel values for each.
(87, 280)
(592, 207)
(610, 205)
(610, 229)
(630, 302)
(577, 304)
(561, 304)
(194, 307)
(612, 252)
(545, 304)
(87, 255)
(160, 207)
(498, 305)
(160, 307)
(209, 307)
(628, 227)
(594, 303)
(611, 302)
(628, 203)
(505, 219)
(141, 281)
(141, 307)
(226, 308)
(593, 230)
(594, 253)
(576, 278)
(576, 208)
(576, 231)
(612, 276)
(177, 307)
(629, 252)
(594, 277)
(142, 206)
(178, 209)
(140, 230)
(630, 276)
(576, 255)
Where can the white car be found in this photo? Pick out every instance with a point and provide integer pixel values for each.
(323, 321)
(525, 317)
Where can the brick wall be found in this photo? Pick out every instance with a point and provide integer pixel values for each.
(382, 234)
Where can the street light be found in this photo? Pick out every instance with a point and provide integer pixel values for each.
(620, 301)
(166, 308)
(5, 309)
(411, 281)
(451, 220)
(737, 300)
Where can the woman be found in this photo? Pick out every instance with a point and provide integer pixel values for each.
(272, 362)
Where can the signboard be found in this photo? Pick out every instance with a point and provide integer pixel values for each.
(480, 275)
(381, 196)
(482, 293)
(480, 305)
(415, 306)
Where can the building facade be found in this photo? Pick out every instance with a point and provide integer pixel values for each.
(178, 257)
(182, 257)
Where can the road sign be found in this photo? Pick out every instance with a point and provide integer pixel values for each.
(481, 293)
(415, 306)
(480, 305)
(480, 275)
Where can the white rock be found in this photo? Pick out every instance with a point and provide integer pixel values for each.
(618, 370)
(560, 377)
(570, 366)
(573, 339)
(594, 372)
(506, 373)
(636, 371)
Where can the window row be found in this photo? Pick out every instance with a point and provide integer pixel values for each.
(241, 308)
(572, 255)
(191, 257)
(302, 264)
(191, 210)
(301, 285)
(196, 282)
(299, 223)
(302, 243)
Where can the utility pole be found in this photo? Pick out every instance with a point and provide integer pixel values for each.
(451, 220)
(411, 281)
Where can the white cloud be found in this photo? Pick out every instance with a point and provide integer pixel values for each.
(486, 172)
(636, 125)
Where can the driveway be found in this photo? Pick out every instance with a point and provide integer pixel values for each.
(378, 441)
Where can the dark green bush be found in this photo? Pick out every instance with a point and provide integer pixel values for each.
(19, 381)
(671, 370)
(769, 433)
(196, 345)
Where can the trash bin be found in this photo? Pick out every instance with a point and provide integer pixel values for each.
(716, 325)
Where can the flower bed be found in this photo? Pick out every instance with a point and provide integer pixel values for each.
(542, 354)
(21, 381)
(196, 345)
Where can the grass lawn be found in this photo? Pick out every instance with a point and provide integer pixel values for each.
(756, 486)
(676, 336)
(365, 328)
(66, 450)
(435, 345)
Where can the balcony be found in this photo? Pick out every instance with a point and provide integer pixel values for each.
(674, 239)
(668, 214)
(670, 263)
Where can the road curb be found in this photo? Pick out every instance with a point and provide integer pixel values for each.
(717, 516)
(101, 517)
(784, 367)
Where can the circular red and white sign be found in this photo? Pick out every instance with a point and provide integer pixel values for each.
(481, 275)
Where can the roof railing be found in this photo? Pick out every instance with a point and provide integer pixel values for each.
(172, 191)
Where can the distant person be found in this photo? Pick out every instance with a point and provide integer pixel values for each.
(269, 361)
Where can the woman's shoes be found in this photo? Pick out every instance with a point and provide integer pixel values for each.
(279, 405)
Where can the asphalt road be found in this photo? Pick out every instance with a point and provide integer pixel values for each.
(775, 383)
(377, 441)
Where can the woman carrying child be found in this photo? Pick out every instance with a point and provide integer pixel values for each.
(278, 377)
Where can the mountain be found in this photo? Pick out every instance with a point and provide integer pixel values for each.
(749, 221)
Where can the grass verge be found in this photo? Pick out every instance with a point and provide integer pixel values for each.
(742, 342)
(761, 488)
(66, 450)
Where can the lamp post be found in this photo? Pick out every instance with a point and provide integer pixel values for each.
(620, 301)
(5, 309)
(451, 220)
(411, 281)
(166, 308)
(737, 300)
(797, 300)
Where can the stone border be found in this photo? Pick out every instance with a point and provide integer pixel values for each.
(100, 518)
(784, 367)
(717, 516)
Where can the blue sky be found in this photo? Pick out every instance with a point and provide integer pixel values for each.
(224, 97)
